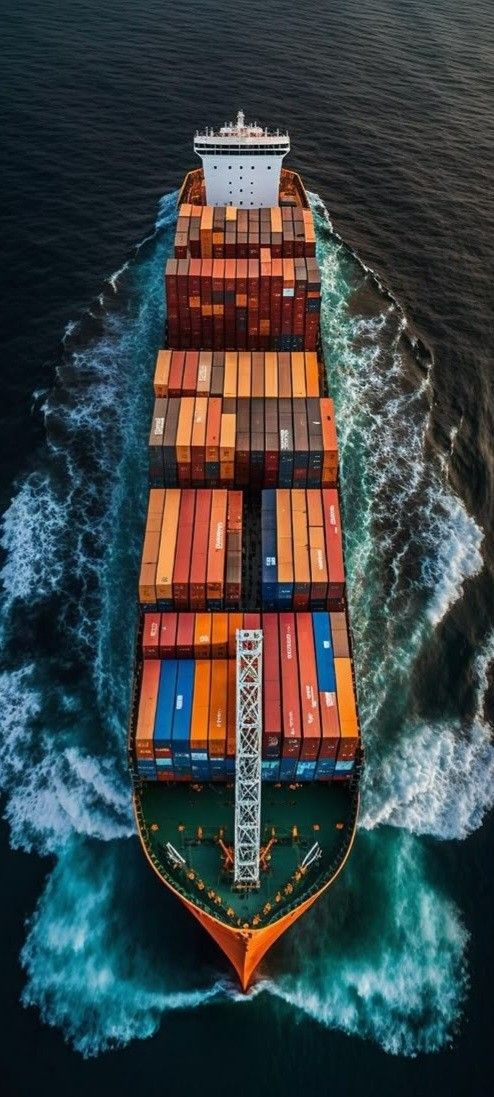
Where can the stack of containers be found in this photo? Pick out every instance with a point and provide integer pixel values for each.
(234, 303)
(238, 401)
(205, 232)
(236, 373)
(186, 720)
(302, 549)
(226, 440)
(192, 554)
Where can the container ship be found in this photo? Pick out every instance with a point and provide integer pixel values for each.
(244, 744)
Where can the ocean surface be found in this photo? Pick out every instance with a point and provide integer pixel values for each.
(107, 985)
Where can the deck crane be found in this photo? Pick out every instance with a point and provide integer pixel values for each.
(248, 759)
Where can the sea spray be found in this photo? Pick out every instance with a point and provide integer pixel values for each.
(386, 959)
(91, 968)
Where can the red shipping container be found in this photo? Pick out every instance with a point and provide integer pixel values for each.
(334, 544)
(189, 384)
(185, 635)
(272, 724)
(234, 512)
(330, 727)
(252, 620)
(199, 555)
(151, 635)
(292, 729)
(311, 722)
(168, 635)
(176, 373)
(198, 440)
(213, 429)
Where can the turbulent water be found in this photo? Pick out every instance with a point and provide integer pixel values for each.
(71, 533)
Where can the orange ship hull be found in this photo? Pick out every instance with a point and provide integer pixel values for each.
(244, 947)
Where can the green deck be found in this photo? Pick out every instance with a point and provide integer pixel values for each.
(192, 818)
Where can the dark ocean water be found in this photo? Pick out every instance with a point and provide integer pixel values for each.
(107, 985)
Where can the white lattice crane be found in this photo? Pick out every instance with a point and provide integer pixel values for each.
(248, 759)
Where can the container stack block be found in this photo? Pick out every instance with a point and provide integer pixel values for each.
(240, 404)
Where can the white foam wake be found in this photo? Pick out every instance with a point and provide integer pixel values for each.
(55, 788)
(32, 528)
(385, 963)
(88, 972)
(439, 778)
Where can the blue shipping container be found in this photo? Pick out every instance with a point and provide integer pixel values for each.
(166, 699)
(321, 627)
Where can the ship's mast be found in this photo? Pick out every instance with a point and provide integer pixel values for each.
(248, 759)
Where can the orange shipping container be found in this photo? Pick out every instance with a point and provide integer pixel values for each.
(200, 706)
(150, 551)
(311, 374)
(162, 373)
(227, 438)
(230, 377)
(147, 707)
(298, 375)
(166, 557)
(347, 707)
(219, 636)
(218, 708)
(202, 635)
(271, 373)
(244, 374)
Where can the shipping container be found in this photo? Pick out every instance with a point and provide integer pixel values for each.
(150, 644)
(182, 719)
(168, 636)
(148, 700)
(272, 713)
(200, 720)
(182, 564)
(203, 624)
(162, 739)
(166, 555)
(149, 558)
(309, 691)
(347, 710)
(161, 373)
(292, 728)
(218, 719)
(334, 544)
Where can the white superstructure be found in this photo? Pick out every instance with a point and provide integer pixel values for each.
(242, 164)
